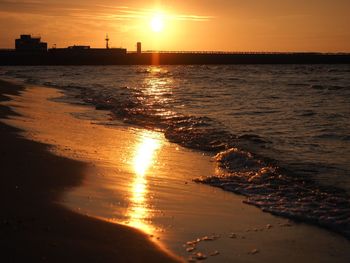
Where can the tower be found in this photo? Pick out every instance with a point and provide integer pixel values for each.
(107, 40)
(138, 47)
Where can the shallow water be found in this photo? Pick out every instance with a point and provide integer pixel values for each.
(136, 177)
(289, 125)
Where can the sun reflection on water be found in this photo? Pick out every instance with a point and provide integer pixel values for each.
(157, 91)
(144, 158)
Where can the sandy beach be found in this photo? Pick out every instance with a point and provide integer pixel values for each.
(34, 228)
(76, 189)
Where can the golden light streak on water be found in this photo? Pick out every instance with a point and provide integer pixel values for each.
(144, 158)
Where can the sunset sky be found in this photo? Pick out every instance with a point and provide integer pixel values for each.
(227, 25)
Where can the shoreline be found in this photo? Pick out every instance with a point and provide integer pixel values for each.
(34, 227)
(193, 210)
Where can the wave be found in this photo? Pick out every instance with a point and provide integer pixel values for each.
(260, 179)
(329, 87)
(298, 84)
(304, 112)
(333, 136)
(266, 185)
(273, 190)
(254, 138)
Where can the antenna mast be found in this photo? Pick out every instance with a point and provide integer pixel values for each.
(107, 40)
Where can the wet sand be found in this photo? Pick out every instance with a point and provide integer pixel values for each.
(34, 227)
(135, 177)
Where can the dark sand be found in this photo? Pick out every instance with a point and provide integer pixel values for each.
(35, 228)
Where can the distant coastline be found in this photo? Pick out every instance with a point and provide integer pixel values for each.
(119, 57)
(32, 51)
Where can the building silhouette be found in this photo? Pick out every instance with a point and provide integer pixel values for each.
(29, 43)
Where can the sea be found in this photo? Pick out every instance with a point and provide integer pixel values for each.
(280, 134)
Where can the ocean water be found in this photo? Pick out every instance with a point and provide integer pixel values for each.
(280, 134)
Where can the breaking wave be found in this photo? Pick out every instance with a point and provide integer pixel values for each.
(261, 180)
(275, 191)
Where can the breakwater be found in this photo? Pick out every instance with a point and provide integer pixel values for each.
(116, 57)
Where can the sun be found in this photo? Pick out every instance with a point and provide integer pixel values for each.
(157, 23)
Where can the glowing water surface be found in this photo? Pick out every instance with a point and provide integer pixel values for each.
(136, 177)
(145, 155)
(125, 162)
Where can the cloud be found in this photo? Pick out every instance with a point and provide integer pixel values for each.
(89, 11)
(144, 13)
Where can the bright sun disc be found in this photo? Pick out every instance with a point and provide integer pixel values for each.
(157, 23)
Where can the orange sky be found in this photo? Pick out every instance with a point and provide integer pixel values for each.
(227, 25)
